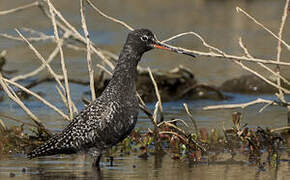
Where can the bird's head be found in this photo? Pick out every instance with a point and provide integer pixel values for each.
(143, 40)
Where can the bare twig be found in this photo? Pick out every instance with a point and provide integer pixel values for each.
(257, 22)
(89, 59)
(220, 54)
(38, 97)
(30, 39)
(262, 77)
(156, 89)
(157, 94)
(39, 69)
(36, 3)
(16, 99)
(57, 77)
(72, 31)
(242, 105)
(190, 116)
(279, 49)
(156, 113)
(109, 17)
(261, 64)
(63, 64)
(199, 37)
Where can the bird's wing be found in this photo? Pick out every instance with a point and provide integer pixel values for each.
(77, 134)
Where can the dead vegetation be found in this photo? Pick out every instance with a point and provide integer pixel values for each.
(164, 136)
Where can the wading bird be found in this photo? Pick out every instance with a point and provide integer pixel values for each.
(112, 116)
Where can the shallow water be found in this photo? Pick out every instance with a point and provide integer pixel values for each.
(132, 167)
(216, 21)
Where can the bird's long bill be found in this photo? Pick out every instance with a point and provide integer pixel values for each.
(160, 45)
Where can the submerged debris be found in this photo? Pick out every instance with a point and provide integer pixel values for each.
(175, 84)
(249, 84)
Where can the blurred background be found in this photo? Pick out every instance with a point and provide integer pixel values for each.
(217, 21)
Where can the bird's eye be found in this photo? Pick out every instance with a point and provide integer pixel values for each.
(144, 38)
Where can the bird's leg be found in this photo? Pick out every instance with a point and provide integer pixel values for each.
(96, 154)
(96, 161)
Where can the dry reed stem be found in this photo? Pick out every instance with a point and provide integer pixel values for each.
(63, 64)
(75, 110)
(156, 89)
(242, 105)
(190, 116)
(39, 69)
(78, 36)
(261, 25)
(141, 100)
(38, 97)
(279, 49)
(155, 113)
(56, 77)
(109, 17)
(15, 98)
(89, 59)
(36, 3)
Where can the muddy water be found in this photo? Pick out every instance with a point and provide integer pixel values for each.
(216, 21)
(132, 167)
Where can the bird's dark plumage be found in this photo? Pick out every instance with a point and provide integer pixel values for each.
(112, 116)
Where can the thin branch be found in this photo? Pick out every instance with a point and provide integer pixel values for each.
(220, 53)
(190, 116)
(89, 59)
(38, 97)
(109, 17)
(16, 99)
(63, 64)
(57, 77)
(155, 113)
(259, 75)
(279, 49)
(262, 77)
(242, 105)
(156, 89)
(30, 39)
(257, 22)
(36, 3)
(78, 36)
(39, 69)
(261, 64)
